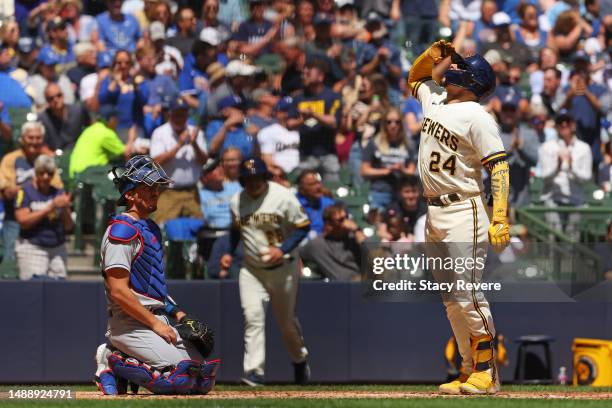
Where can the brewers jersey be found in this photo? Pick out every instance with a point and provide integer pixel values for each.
(457, 139)
(266, 221)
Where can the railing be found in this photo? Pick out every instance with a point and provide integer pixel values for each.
(571, 261)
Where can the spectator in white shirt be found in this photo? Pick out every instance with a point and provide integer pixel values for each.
(279, 146)
(566, 164)
(180, 149)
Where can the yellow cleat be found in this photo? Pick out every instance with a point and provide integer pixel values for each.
(453, 387)
(479, 383)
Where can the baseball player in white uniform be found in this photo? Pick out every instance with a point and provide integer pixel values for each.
(271, 222)
(458, 138)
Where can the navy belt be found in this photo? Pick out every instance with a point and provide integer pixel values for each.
(444, 200)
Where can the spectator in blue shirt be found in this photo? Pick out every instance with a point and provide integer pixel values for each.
(12, 96)
(193, 80)
(126, 93)
(380, 55)
(58, 46)
(232, 13)
(232, 132)
(117, 30)
(256, 34)
(310, 195)
(420, 23)
(586, 101)
(413, 118)
(215, 199)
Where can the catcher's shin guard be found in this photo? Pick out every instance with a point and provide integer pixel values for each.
(181, 380)
(207, 377)
(484, 378)
(104, 377)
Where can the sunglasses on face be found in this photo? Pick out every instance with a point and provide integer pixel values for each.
(47, 172)
(52, 97)
(393, 121)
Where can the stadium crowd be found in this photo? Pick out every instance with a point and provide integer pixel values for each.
(317, 88)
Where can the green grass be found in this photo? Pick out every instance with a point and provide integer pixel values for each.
(471, 402)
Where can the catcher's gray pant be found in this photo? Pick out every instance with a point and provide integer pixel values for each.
(257, 288)
(462, 228)
(138, 341)
(37, 261)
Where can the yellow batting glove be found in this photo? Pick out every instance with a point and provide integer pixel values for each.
(499, 235)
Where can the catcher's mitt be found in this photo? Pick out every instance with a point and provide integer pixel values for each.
(198, 334)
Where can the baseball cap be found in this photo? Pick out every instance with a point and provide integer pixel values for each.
(259, 93)
(178, 104)
(211, 164)
(345, 3)
(239, 68)
(47, 57)
(157, 31)
(104, 60)
(231, 101)
(162, 88)
(564, 116)
(501, 19)
(284, 104)
(55, 23)
(323, 18)
(26, 45)
(211, 36)
(107, 112)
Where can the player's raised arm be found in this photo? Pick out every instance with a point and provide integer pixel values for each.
(422, 69)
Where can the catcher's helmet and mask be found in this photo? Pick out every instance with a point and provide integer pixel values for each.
(473, 73)
(253, 166)
(139, 169)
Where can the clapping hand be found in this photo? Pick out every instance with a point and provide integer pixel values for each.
(62, 200)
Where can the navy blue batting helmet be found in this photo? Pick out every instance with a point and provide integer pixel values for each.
(139, 169)
(253, 166)
(473, 73)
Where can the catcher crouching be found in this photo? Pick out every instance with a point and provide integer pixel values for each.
(152, 343)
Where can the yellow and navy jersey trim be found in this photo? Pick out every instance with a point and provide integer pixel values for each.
(493, 156)
(415, 85)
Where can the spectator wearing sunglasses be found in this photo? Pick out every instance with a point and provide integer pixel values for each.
(43, 214)
(63, 123)
(385, 159)
(336, 254)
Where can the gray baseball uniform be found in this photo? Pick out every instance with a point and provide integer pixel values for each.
(129, 335)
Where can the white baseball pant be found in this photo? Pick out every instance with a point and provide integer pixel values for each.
(464, 225)
(278, 286)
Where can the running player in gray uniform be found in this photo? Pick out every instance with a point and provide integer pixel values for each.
(271, 222)
(143, 346)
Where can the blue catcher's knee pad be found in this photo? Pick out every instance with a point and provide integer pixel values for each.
(181, 380)
(207, 376)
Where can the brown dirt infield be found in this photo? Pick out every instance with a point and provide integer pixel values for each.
(255, 394)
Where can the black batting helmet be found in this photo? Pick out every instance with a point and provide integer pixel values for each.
(253, 166)
(473, 73)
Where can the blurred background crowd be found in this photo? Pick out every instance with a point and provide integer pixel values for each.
(317, 88)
